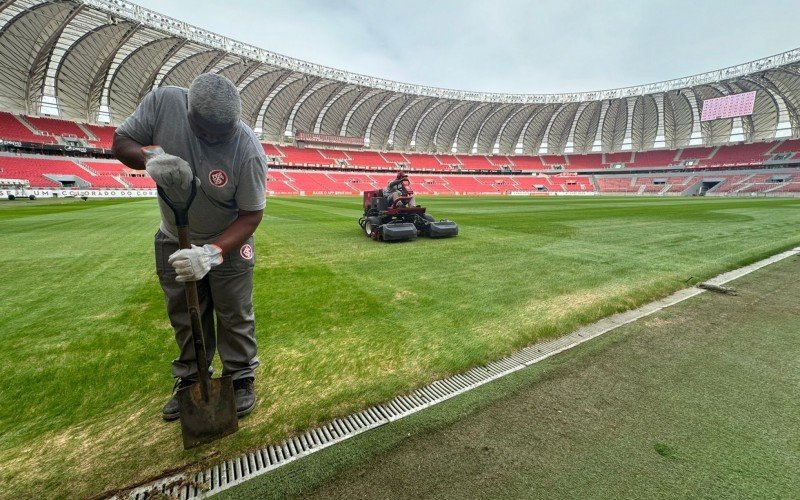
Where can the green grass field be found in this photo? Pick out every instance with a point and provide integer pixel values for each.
(342, 321)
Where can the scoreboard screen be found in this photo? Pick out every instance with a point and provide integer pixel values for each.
(728, 106)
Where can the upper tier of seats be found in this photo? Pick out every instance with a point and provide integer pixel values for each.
(12, 128)
(742, 154)
(104, 134)
(55, 126)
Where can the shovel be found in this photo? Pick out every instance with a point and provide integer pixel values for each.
(208, 408)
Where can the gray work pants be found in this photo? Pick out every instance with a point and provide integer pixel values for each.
(225, 292)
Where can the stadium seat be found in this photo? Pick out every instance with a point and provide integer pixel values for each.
(104, 134)
(368, 159)
(695, 153)
(139, 182)
(55, 126)
(395, 158)
(13, 129)
(527, 163)
(652, 159)
(586, 162)
(36, 169)
(304, 156)
(474, 162)
(419, 161)
(739, 155)
(271, 149)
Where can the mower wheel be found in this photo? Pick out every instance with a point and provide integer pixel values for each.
(371, 227)
(428, 217)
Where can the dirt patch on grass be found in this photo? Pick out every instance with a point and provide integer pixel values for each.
(92, 450)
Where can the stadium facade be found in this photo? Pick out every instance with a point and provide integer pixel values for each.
(93, 60)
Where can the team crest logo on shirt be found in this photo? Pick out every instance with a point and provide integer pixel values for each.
(246, 251)
(218, 178)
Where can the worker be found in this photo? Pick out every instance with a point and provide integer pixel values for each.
(204, 140)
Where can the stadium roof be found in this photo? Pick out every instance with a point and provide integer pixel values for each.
(92, 59)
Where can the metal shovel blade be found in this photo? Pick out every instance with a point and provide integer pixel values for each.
(206, 420)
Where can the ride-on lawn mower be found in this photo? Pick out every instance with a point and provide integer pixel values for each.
(393, 221)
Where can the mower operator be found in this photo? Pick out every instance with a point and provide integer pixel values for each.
(398, 188)
(202, 136)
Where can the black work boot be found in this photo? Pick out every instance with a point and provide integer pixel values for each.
(245, 396)
(172, 410)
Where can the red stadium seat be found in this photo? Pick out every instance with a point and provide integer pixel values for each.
(55, 126)
(475, 162)
(12, 128)
(652, 159)
(36, 169)
(104, 134)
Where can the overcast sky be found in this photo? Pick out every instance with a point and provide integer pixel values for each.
(506, 45)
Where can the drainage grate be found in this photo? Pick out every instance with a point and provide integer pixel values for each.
(235, 471)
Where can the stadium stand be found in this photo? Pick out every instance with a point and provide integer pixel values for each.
(112, 167)
(677, 185)
(741, 154)
(104, 135)
(756, 184)
(469, 185)
(652, 185)
(35, 170)
(499, 161)
(356, 182)
(501, 183)
(732, 183)
(533, 184)
(139, 182)
(271, 149)
(368, 159)
(304, 156)
(317, 183)
(553, 160)
(334, 154)
(278, 183)
(652, 159)
(618, 158)
(790, 146)
(787, 187)
(589, 161)
(476, 162)
(12, 128)
(54, 126)
(707, 157)
(106, 181)
(617, 184)
(572, 183)
(111, 174)
(695, 153)
(418, 161)
(527, 163)
(395, 158)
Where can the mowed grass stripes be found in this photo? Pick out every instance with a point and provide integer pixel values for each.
(342, 321)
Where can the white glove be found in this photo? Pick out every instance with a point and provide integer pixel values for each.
(170, 172)
(192, 264)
